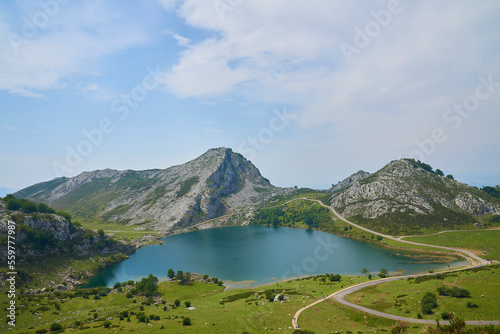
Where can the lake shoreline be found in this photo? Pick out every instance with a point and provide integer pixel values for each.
(335, 264)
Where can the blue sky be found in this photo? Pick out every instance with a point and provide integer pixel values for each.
(310, 92)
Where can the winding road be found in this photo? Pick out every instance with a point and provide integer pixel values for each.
(475, 261)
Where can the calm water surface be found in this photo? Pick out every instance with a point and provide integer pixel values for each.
(256, 255)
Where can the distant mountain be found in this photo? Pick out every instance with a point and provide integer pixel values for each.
(5, 191)
(407, 196)
(216, 183)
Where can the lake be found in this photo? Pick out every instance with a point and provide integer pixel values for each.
(247, 256)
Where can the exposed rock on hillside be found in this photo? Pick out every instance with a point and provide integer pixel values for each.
(39, 235)
(358, 176)
(207, 187)
(403, 187)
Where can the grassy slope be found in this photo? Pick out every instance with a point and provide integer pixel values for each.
(209, 317)
(402, 297)
(483, 240)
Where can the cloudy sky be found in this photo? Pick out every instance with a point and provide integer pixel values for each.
(310, 91)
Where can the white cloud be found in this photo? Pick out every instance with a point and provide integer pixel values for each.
(71, 42)
(25, 92)
(287, 52)
(181, 40)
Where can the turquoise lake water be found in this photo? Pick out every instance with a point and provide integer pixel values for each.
(254, 255)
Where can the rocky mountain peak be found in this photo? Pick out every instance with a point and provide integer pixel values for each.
(202, 189)
(412, 189)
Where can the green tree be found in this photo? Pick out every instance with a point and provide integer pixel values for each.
(383, 273)
(28, 207)
(44, 208)
(147, 285)
(65, 215)
(13, 205)
(450, 176)
(179, 276)
(177, 302)
(365, 271)
(186, 321)
(100, 233)
(171, 274)
(187, 303)
(428, 303)
(439, 172)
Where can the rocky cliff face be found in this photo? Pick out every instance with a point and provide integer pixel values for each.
(207, 187)
(404, 190)
(40, 235)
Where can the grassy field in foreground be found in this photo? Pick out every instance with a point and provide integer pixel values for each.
(482, 241)
(403, 297)
(332, 317)
(249, 312)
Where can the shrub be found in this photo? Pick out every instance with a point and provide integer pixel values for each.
(186, 321)
(443, 291)
(55, 327)
(471, 305)
(187, 304)
(459, 293)
(428, 303)
(177, 302)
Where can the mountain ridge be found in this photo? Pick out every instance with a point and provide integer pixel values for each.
(204, 188)
(403, 195)
(413, 190)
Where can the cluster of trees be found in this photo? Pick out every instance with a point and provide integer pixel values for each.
(428, 303)
(185, 277)
(382, 274)
(23, 205)
(299, 212)
(495, 192)
(427, 167)
(334, 277)
(453, 292)
(147, 285)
